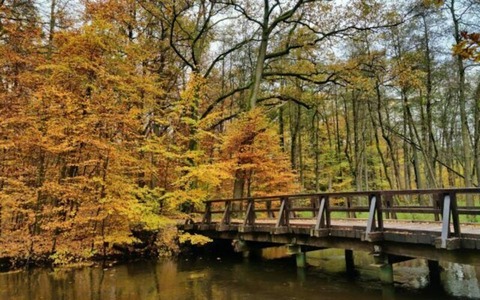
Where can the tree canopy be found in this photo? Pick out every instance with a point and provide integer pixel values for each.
(117, 117)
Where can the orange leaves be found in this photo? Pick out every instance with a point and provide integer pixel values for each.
(435, 3)
(251, 144)
(469, 46)
(71, 164)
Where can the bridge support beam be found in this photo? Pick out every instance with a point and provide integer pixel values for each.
(300, 255)
(301, 259)
(434, 273)
(385, 273)
(384, 265)
(349, 262)
(243, 247)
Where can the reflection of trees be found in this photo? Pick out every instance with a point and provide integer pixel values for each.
(206, 279)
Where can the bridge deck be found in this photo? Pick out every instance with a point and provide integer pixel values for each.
(278, 220)
(470, 229)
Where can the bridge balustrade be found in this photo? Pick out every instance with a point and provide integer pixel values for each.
(446, 208)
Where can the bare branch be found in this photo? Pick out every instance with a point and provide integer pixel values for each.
(223, 97)
(285, 98)
(223, 55)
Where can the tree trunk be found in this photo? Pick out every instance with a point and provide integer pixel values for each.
(239, 184)
(467, 151)
(477, 133)
(300, 151)
(281, 127)
(375, 132)
(294, 129)
(52, 24)
(262, 52)
(429, 139)
(316, 150)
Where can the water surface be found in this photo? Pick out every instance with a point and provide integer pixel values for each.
(221, 278)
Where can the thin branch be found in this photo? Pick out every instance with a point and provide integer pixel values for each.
(285, 98)
(223, 55)
(302, 77)
(221, 121)
(284, 52)
(174, 47)
(223, 97)
(240, 9)
(418, 147)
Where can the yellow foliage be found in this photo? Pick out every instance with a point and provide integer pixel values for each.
(193, 239)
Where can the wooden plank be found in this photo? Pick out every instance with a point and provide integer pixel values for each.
(301, 209)
(280, 230)
(350, 209)
(378, 207)
(412, 210)
(455, 219)
(449, 243)
(250, 214)
(468, 243)
(322, 232)
(314, 205)
(468, 211)
(372, 237)
(371, 215)
(225, 227)
(327, 212)
(320, 223)
(360, 193)
(282, 214)
(246, 228)
(226, 214)
(445, 222)
(207, 217)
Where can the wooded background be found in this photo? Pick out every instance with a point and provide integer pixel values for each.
(116, 116)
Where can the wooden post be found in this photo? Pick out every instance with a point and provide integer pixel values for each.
(350, 214)
(250, 214)
(301, 259)
(300, 255)
(434, 273)
(378, 209)
(371, 226)
(321, 225)
(385, 267)
(314, 205)
(349, 262)
(320, 214)
(374, 230)
(388, 204)
(207, 217)
(436, 205)
(283, 214)
(455, 219)
(445, 221)
(268, 204)
(386, 273)
(227, 213)
(328, 219)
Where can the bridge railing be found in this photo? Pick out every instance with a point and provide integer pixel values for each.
(317, 210)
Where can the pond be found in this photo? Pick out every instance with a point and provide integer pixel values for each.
(213, 277)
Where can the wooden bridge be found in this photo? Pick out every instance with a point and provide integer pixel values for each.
(433, 224)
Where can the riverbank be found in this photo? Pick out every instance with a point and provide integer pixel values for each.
(144, 245)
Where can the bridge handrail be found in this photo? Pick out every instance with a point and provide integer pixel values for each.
(443, 203)
(473, 190)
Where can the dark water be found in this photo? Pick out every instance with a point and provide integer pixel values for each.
(212, 278)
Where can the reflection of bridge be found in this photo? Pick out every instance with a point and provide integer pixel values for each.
(395, 226)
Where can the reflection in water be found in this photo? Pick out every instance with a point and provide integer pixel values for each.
(461, 280)
(236, 279)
